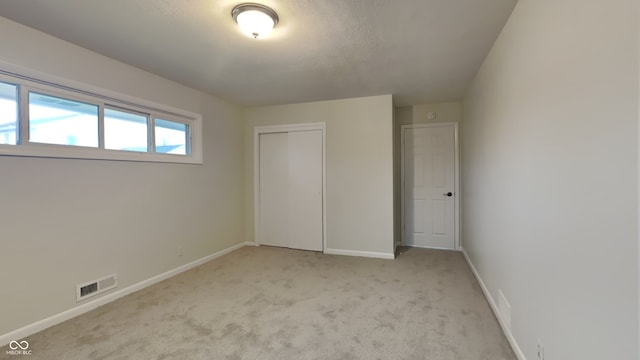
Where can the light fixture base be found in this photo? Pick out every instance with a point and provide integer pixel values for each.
(241, 8)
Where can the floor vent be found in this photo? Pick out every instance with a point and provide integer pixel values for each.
(96, 287)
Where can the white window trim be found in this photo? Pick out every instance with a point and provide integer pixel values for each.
(32, 80)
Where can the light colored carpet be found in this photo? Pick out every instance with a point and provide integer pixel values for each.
(269, 303)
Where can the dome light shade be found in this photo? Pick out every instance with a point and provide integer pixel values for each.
(255, 20)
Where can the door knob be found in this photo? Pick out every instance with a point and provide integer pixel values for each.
(449, 194)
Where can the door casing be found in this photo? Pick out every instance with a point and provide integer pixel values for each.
(457, 200)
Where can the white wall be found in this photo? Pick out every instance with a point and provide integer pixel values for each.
(65, 221)
(359, 167)
(550, 176)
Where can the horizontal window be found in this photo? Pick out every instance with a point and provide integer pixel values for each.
(46, 119)
(125, 130)
(54, 120)
(172, 137)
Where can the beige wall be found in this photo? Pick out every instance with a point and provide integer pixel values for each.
(445, 112)
(66, 221)
(403, 115)
(359, 167)
(550, 176)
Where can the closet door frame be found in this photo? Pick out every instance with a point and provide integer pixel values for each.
(256, 170)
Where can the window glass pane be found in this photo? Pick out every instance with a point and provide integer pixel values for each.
(54, 120)
(125, 131)
(171, 137)
(8, 113)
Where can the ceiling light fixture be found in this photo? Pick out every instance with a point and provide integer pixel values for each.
(255, 20)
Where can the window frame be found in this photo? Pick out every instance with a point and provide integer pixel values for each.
(25, 115)
(102, 139)
(18, 130)
(175, 120)
(31, 81)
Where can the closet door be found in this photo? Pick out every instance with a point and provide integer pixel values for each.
(291, 185)
(274, 189)
(305, 190)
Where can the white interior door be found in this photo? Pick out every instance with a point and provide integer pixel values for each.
(291, 185)
(429, 186)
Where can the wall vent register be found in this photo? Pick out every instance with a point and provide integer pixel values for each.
(92, 288)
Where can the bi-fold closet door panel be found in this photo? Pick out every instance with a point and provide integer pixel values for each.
(274, 189)
(305, 190)
(291, 185)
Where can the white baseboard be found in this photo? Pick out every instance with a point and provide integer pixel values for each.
(432, 247)
(494, 308)
(88, 306)
(369, 254)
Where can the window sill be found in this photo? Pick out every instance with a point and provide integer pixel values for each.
(86, 153)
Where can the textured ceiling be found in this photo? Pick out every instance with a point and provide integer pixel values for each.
(418, 50)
